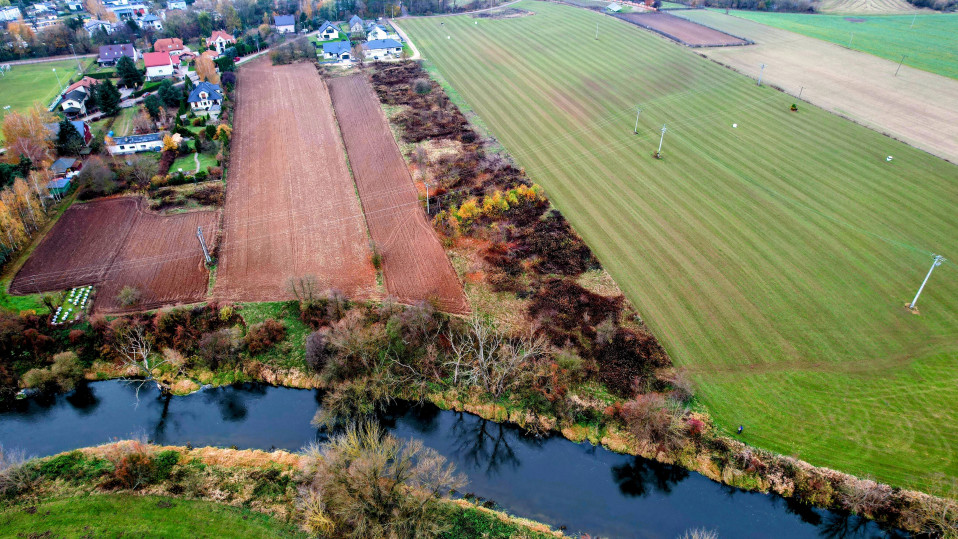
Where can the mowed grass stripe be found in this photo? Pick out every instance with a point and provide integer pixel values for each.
(772, 259)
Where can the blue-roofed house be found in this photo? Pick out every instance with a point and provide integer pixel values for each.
(356, 25)
(63, 165)
(376, 33)
(337, 50)
(152, 142)
(59, 187)
(285, 24)
(381, 49)
(205, 96)
(328, 31)
(151, 21)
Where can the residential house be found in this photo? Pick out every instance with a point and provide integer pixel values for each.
(74, 5)
(92, 25)
(82, 127)
(159, 65)
(63, 165)
(45, 21)
(168, 45)
(204, 97)
(613, 8)
(9, 13)
(151, 21)
(73, 102)
(285, 24)
(176, 4)
(376, 33)
(220, 41)
(328, 31)
(382, 48)
(336, 50)
(59, 187)
(152, 142)
(109, 54)
(356, 25)
(133, 12)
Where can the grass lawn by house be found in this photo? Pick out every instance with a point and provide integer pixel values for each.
(115, 515)
(772, 259)
(188, 164)
(931, 43)
(123, 125)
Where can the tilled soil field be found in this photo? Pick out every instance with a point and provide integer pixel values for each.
(682, 30)
(415, 266)
(291, 208)
(114, 243)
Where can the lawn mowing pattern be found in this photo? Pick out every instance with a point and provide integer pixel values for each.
(915, 107)
(772, 260)
(291, 209)
(415, 267)
(930, 44)
(116, 515)
(865, 6)
(26, 84)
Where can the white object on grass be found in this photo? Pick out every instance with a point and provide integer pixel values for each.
(889, 158)
(734, 125)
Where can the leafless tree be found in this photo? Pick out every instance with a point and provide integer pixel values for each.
(485, 356)
(143, 169)
(135, 348)
(304, 289)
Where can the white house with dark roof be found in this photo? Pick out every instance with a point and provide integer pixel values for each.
(285, 24)
(9, 13)
(109, 54)
(152, 142)
(376, 33)
(337, 50)
(328, 31)
(356, 25)
(381, 49)
(176, 4)
(205, 97)
(151, 21)
(92, 25)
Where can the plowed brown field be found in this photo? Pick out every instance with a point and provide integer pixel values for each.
(681, 30)
(291, 208)
(114, 243)
(415, 266)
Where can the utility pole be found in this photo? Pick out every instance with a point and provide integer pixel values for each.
(659, 153)
(934, 264)
(206, 253)
(58, 79)
(79, 67)
(899, 64)
(637, 112)
(427, 197)
(597, 30)
(850, 40)
(760, 73)
(913, 20)
(800, 92)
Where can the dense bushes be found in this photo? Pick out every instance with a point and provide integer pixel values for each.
(63, 375)
(263, 336)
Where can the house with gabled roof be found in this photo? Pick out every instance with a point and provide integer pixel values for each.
(168, 45)
(109, 54)
(356, 25)
(328, 31)
(205, 97)
(151, 21)
(337, 50)
(73, 101)
(285, 24)
(381, 49)
(152, 142)
(220, 41)
(159, 65)
(376, 33)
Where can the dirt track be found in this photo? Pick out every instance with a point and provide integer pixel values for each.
(916, 106)
(291, 207)
(114, 243)
(681, 30)
(415, 266)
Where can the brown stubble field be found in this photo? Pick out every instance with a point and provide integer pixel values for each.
(681, 30)
(291, 208)
(415, 266)
(114, 243)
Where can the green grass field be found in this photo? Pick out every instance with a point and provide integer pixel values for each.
(772, 260)
(116, 515)
(931, 44)
(27, 84)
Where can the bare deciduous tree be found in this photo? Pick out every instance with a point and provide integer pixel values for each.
(485, 356)
(136, 352)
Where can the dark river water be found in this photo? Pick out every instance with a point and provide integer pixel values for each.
(585, 488)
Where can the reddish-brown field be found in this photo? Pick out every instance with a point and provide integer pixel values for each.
(291, 209)
(114, 243)
(682, 30)
(415, 267)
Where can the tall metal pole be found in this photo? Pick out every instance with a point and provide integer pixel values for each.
(899, 64)
(760, 73)
(934, 264)
(660, 140)
(637, 112)
(58, 79)
(597, 30)
(199, 236)
(427, 197)
(800, 92)
(913, 20)
(850, 40)
(79, 67)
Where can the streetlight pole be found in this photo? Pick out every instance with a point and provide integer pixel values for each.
(760, 73)
(427, 197)
(637, 112)
(899, 64)
(934, 264)
(58, 80)
(659, 153)
(79, 67)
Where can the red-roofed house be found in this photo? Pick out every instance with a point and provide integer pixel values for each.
(168, 45)
(158, 65)
(219, 41)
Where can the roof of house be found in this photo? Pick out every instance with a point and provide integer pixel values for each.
(354, 19)
(58, 183)
(85, 82)
(114, 52)
(137, 139)
(374, 26)
(54, 128)
(150, 18)
(220, 34)
(613, 7)
(336, 47)
(75, 95)
(156, 59)
(168, 44)
(63, 164)
(327, 24)
(212, 91)
(285, 20)
(381, 44)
